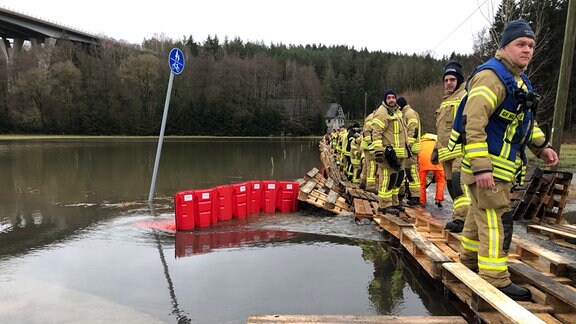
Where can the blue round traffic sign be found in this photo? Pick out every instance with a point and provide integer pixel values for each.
(176, 61)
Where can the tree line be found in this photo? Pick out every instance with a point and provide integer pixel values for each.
(232, 87)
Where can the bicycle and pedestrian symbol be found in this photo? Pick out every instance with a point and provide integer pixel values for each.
(176, 61)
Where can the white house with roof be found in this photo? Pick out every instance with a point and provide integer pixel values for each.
(334, 116)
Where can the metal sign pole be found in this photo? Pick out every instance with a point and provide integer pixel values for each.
(161, 138)
(176, 65)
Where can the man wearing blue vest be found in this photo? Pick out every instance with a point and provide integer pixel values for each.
(496, 125)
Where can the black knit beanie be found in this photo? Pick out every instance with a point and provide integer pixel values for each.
(515, 29)
(389, 92)
(401, 101)
(454, 68)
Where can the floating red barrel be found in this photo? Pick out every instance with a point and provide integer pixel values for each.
(240, 200)
(255, 197)
(185, 210)
(287, 196)
(204, 208)
(269, 193)
(223, 202)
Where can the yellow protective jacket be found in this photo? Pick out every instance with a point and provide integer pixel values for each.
(388, 129)
(486, 94)
(366, 132)
(412, 121)
(355, 151)
(444, 118)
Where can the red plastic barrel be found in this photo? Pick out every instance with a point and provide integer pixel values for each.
(269, 188)
(287, 196)
(255, 197)
(204, 208)
(223, 202)
(240, 200)
(184, 210)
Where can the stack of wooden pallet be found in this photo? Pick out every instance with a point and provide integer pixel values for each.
(544, 198)
(323, 193)
(542, 201)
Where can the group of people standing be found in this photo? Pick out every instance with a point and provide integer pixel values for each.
(483, 126)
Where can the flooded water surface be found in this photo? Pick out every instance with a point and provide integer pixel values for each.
(76, 244)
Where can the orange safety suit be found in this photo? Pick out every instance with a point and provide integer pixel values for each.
(427, 143)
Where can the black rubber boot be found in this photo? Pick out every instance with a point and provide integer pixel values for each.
(400, 208)
(455, 226)
(413, 201)
(516, 292)
(390, 210)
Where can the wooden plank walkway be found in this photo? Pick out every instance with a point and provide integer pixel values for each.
(549, 276)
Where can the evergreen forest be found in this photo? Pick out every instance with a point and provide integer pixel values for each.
(236, 88)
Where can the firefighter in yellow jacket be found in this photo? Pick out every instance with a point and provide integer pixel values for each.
(454, 91)
(389, 141)
(496, 125)
(412, 121)
(368, 175)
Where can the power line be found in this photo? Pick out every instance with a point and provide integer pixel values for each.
(460, 25)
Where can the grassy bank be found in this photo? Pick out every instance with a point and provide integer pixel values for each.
(567, 158)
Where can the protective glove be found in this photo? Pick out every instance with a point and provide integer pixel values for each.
(379, 157)
(434, 157)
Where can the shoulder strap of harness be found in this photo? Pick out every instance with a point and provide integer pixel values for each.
(457, 134)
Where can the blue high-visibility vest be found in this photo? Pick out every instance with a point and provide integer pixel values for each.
(509, 127)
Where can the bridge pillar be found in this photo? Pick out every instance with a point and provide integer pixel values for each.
(9, 52)
(4, 46)
(45, 57)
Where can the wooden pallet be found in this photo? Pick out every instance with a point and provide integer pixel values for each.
(356, 193)
(541, 259)
(365, 208)
(330, 165)
(392, 224)
(564, 235)
(545, 290)
(426, 223)
(487, 302)
(428, 255)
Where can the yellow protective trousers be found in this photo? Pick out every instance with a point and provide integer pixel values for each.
(389, 181)
(483, 235)
(412, 176)
(369, 167)
(458, 190)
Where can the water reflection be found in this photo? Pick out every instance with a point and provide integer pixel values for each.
(199, 242)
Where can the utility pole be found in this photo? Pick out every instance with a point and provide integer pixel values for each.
(564, 77)
(365, 103)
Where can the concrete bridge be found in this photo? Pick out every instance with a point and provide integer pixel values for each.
(16, 28)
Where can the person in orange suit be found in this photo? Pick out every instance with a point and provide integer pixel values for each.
(427, 142)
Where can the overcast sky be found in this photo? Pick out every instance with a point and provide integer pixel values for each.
(407, 26)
